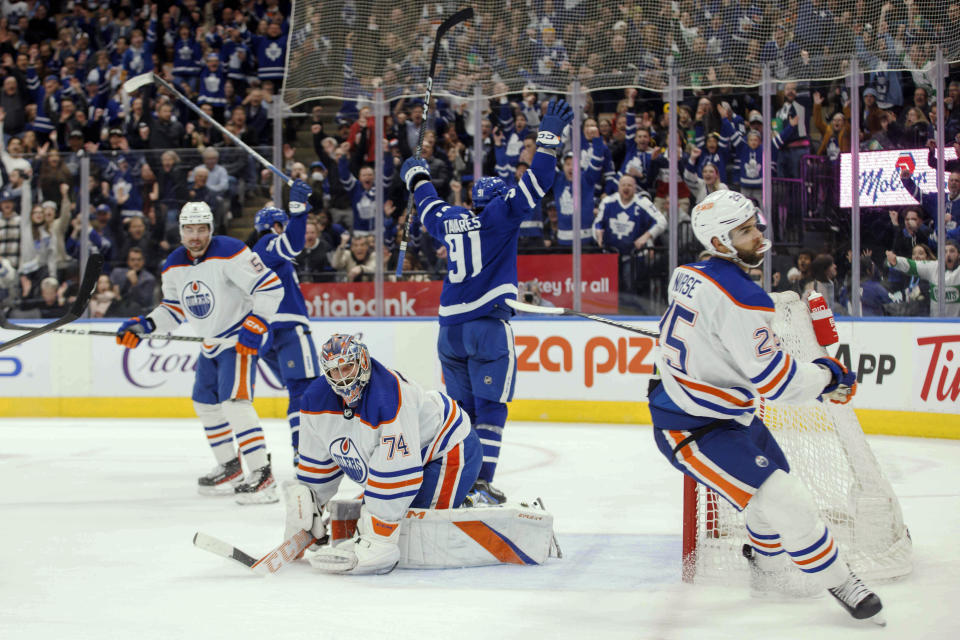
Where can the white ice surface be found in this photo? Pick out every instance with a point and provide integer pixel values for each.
(97, 517)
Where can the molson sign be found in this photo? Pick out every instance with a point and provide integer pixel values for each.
(552, 273)
(880, 184)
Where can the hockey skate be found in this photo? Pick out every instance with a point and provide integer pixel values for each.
(484, 494)
(258, 488)
(859, 601)
(775, 577)
(221, 480)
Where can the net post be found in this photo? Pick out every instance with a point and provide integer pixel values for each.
(766, 185)
(689, 551)
(477, 117)
(575, 128)
(855, 185)
(941, 138)
(379, 113)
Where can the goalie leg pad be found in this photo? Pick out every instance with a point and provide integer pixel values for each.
(474, 537)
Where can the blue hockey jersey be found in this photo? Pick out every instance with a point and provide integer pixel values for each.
(278, 253)
(482, 248)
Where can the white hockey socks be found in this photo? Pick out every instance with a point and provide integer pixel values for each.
(218, 431)
(789, 508)
(246, 425)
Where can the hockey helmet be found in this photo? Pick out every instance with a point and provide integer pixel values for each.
(720, 213)
(346, 366)
(267, 217)
(196, 213)
(486, 189)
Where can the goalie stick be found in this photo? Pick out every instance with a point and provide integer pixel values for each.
(285, 553)
(87, 284)
(446, 25)
(561, 311)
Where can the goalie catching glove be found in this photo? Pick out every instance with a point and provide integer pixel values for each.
(414, 170)
(843, 385)
(374, 550)
(559, 115)
(132, 331)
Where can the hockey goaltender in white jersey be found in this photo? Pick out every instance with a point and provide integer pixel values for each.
(415, 456)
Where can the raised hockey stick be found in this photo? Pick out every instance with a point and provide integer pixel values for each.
(287, 551)
(76, 331)
(446, 25)
(143, 79)
(87, 284)
(561, 311)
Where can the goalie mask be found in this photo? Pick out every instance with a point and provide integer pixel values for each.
(346, 366)
(719, 214)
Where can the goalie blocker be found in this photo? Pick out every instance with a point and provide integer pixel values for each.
(459, 538)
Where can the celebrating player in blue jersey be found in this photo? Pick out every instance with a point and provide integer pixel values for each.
(717, 357)
(476, 343)
(290, 352)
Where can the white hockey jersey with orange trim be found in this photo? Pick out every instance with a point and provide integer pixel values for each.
(717, 353)
(216, 291)
(395, 429)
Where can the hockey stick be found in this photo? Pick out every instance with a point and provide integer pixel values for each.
(143, 79)
(560, 311)
(87, 284)
(76, 331)
(446, 25)
(288, 551)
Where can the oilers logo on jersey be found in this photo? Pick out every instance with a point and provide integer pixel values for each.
(197, 298)
(347, 457)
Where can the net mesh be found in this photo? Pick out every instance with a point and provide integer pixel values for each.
(345, 49)
(829, 453)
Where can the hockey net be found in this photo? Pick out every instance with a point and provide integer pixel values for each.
(827, 450)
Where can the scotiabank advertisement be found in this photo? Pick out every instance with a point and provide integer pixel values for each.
(548, 278)
(880, 184)
(902, 366)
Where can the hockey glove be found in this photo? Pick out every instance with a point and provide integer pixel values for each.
(559, 115)
(132, 331)
(251, 335)
(413, 171)
(843, 386)
(303, 513)
(299, 198)
(374, 550)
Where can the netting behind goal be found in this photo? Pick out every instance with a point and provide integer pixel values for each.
(827, 450)
(344, 49)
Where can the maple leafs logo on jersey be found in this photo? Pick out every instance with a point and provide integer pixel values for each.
(346, 455)
(198, 298)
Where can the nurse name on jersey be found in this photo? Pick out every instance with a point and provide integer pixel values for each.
(685, 284)
(461, 225)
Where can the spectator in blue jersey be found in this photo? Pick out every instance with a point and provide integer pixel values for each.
(873, 294)
(361, 189)
(187, 59)
(590, 175)
(929, 203)
(290, 352)
(701, 187)
(138, 58)
(212, 86)
(628, 223)
(271, 52)
(476, 343)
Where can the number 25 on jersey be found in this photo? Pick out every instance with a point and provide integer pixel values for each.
(672, 324)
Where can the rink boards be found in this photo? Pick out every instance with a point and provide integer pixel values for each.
(569, 370)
